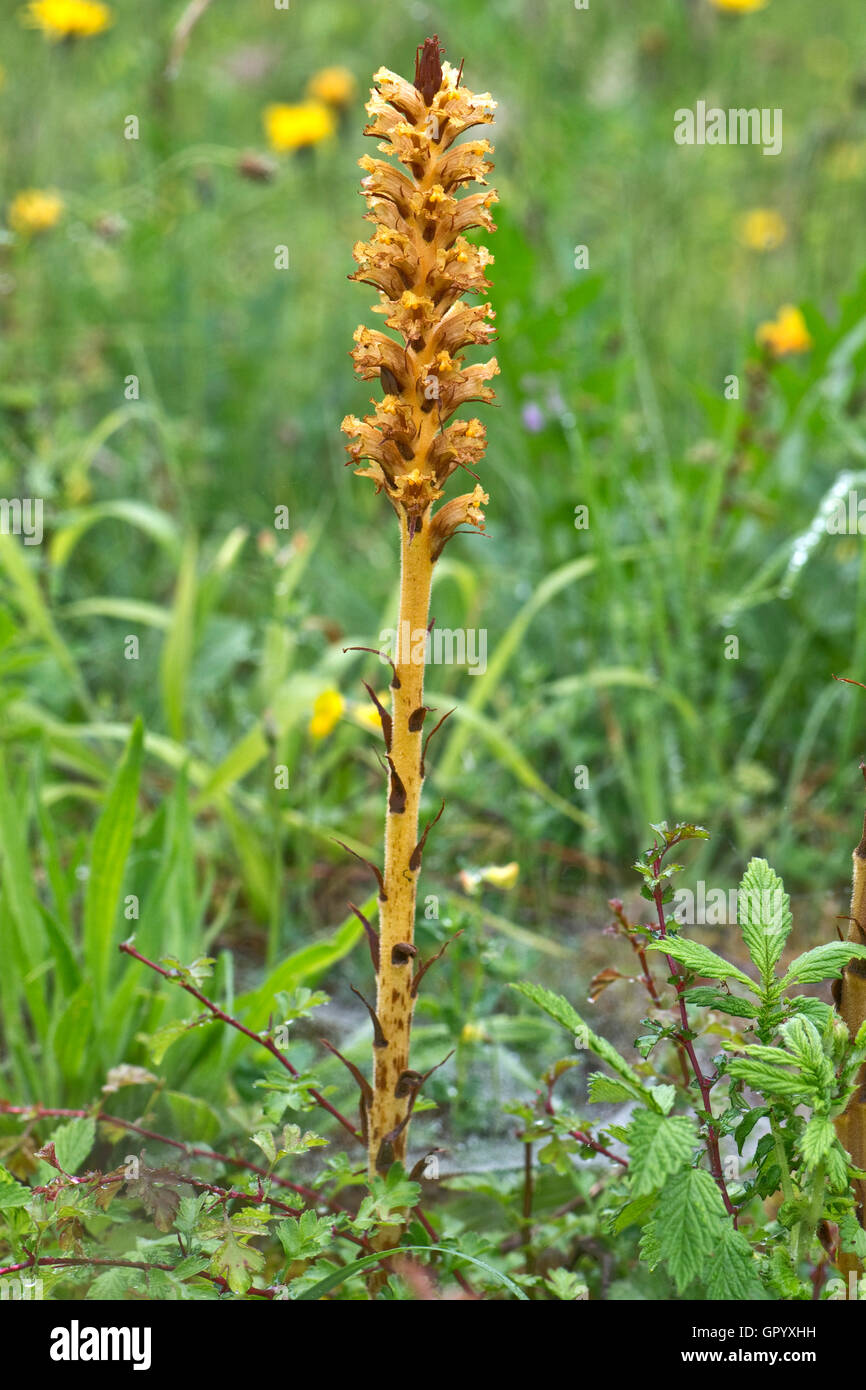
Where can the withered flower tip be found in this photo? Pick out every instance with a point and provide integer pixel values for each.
(428, 68)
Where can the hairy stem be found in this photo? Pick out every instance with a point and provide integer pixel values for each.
(393, 1091)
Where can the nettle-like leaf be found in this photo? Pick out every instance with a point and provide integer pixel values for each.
(730, 1269)
(699, 959)
(764, 917)
(822, 963)
(771, 1080)
(73, 1142)
(804, 1041)
(659, 1146)
(634, 1213)
(12, 1193)
(689, 1224)
(559, 1009)
(707, 997)
(816, 1141)
(852, 1235)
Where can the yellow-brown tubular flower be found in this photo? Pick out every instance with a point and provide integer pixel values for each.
(422, 264)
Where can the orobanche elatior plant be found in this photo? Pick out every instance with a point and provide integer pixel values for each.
(736, 1170)
(422, 265)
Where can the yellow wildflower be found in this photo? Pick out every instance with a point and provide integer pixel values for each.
(786, 333)
(502, 876)
(33, 210)
(739, 6)
(298, 127)
(763, 229)
(472, 1032)
(333, 86)
(68, 19)
(327, 713)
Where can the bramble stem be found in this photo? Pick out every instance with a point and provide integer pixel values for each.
(703, 1081)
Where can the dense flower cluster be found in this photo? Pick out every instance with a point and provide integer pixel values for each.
(422, 264)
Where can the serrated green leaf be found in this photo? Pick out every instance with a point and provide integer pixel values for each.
(852, 1235)
(73, 1142)
(706, 997)
(562, 1012)
(817, 1140)
(731, 1272)
(634, 1213)
(664, 1097)
(12, 1193)
(770, 1080)
(699, 959)
(822, 963)
(688, 1225)
(659, 1146)
(608, 1089)
(764, 917)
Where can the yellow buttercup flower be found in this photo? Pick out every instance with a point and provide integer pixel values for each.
(502, 876)
(763, 229)
(298, 127)
(69, 19)
(327, 713)
(32, 211)
(739, 6)
(333, 86)
(785, 334)
(472, 1032)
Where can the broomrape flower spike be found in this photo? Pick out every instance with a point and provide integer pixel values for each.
(420, 261)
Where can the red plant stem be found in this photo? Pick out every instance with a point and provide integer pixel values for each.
(267, 1043)
(38, 1112)
(71, 1261)
(591, 1143)
(703, 1082)
(647, 980)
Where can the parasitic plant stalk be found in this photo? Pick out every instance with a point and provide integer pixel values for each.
(850, 998)
(422, 265)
